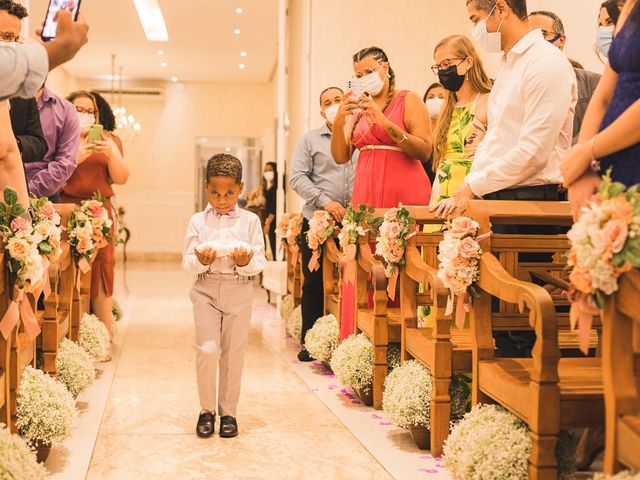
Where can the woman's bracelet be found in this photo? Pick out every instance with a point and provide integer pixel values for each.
(595, 163)
(404, 138)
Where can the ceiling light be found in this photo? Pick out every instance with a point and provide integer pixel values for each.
(161, 52)
(174, 79)
(164, 64)
(237, 31)
(239, 10)
(243, 54)
(152, 20)
(242, 66)
(228, 149)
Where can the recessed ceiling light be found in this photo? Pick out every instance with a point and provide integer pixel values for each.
(161, 52)
(174, 79)
(239, 10)
(237, 31)
(228, 149)
(242, 66)
(164, 64)
(243, 54)
(152, 20)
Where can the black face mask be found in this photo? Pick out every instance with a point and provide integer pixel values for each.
(450, 79)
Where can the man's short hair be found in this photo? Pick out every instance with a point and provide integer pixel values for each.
(558, 26)
(327, 89)
(519, 7)
(14, 8)
(224, 165)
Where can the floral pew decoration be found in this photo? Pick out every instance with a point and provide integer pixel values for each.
(459, 256)
(321, 228)
(17, 460)
(25, 264)
(393, 235)
(605, 243)
(353, 227)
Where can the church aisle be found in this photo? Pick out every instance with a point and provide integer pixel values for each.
(148, 426)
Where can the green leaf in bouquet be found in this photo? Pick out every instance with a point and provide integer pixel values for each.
(17, 210)
(599, 299)
(10, 196)
(45, 248)
(472, 291)
(3, 209)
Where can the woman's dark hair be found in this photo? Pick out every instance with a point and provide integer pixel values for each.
(613, 9)
(107, 119)
(431, 87)
(273, 165)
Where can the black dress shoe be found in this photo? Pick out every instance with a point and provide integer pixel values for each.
(304, 356)
(228, 427)
(206, 422)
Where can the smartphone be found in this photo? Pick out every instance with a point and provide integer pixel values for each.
(355, 87)
(50, 23)
(95, 133)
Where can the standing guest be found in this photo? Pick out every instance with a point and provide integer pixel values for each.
(62, 131)
(553, 32)
(607, 21)
(223, 292)
(100, 165)
(324, 185)
(463, 122)
(434, 99)
(270, 191)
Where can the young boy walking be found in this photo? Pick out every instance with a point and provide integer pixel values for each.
(224, 246)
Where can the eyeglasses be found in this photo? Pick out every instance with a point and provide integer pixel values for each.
(9, 37)
(551, 36)
(446, 63)
(90, 111)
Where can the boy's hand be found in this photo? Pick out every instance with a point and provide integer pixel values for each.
(206, 256)
(242, 257)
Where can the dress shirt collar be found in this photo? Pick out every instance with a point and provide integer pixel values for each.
(47, 96)
(233, 213)
(325, 130)
(524, 44)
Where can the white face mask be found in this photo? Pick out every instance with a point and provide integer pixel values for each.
(490, 41)
(434, 105)
(372, 83)
(269, 176)
(331, 112)
(604, 39)
(86, 120)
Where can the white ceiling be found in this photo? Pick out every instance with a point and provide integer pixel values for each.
(202, 46)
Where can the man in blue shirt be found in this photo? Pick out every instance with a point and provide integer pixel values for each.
(323, 184)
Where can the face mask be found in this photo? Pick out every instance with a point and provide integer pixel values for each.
(269, 176)
(604, 39)
(86, 120)
(331, 112)
(450, 79)
(490, 41)
(372, 83)
(434, 105)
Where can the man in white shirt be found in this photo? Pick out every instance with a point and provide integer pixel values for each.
(531, 111)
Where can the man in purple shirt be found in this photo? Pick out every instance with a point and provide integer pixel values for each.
(61, 130)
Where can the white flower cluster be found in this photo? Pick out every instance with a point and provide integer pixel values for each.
(46, 409)
(350, 233)
(94, 337)
(407, 395)
(352, 362)
(625, 475)
(46, 223)
(393, 356)
(293, 324)
(322, 339)
(286, 307)
(17, 460)
(22, 245)
(75, 367)
(458, 255)
(488, 443)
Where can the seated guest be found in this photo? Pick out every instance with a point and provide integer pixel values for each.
(553, 32)
(62, 131)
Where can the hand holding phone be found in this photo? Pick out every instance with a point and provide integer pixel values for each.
(50, 27)
(95, 133)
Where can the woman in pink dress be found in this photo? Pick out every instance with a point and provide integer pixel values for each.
(392, 130)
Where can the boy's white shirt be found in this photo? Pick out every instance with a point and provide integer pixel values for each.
(208, 226)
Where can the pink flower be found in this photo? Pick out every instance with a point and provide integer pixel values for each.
(390, 215)
(615, 233)
(468, 247)
(462, 227)
(21, 224)
(395, 253)
(48, 210)
(96, 210)
(581, 279)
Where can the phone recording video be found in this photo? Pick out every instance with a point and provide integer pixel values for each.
(50, 23)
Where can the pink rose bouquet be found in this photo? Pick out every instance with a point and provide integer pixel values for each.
(321, 228)
(46, 224)
(293, 236)
(89, 228)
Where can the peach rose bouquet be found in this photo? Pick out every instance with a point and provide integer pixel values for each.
(89, 228)
(353, 227)
(321, 228)
(294, 231)
(393, 234)
(459, 255)
(605, 243)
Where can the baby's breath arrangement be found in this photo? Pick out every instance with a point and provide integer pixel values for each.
(75, 367)
(322, 339)
(46, 410)
(352, 362)
(17, 460)
(294, 323)
(94, 337)
(286, 307)
(626, 475)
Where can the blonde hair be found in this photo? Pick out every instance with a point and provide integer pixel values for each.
(479, 81)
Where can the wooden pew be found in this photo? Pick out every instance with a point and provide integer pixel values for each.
(332, 277)
(56, 322)
(621, 368)
(81, 301)
(442, 349)
(548, 392)
(5, 387)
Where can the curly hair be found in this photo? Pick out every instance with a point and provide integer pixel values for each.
(224, 165)
(14, 8)
(107, 118)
